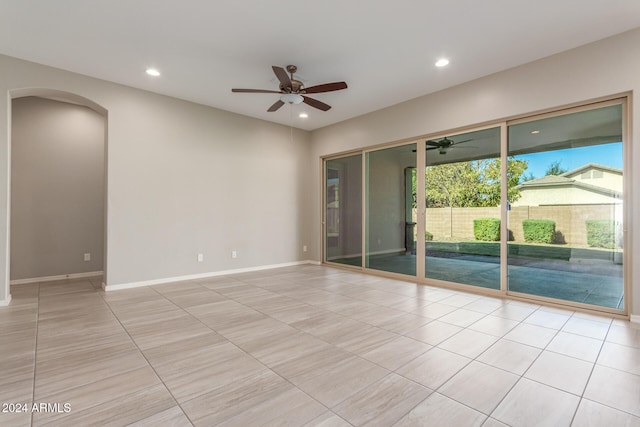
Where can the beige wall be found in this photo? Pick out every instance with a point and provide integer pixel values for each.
(612, 181)
(570, 77)
(57, 188)
(560, 195)
(457, 223)
(180, 179)
(570, 220)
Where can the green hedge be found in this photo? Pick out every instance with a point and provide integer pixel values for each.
(428, 237)
(539, 230)
(486, 229)
(601, 233)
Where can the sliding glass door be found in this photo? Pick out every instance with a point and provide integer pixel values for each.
(530, 207)
(389, 229)
(343, 210)
(566, 235)
(462, 220)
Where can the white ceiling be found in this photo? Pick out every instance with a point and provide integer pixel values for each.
(385, 50)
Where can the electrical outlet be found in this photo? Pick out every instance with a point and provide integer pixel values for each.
(200, 257)
(304, 248)
(234, 254)
(87, 256)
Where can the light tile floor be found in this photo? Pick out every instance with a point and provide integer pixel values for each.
(308, 346)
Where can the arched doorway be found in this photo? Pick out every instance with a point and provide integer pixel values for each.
(58, 186)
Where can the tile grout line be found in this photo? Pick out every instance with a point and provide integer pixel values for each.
(595, 363)
(434, 346)
(101, 293)
(359, 356)
(241, 282)
(557, 331)
(333, 345)
(355, 354)
(533, 362)
(93, 291)
(35, 356)
(236, 346)
(475, 359)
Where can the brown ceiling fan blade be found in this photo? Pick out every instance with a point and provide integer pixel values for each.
(275, 106)
(254, 91)
(327, 87)
(434, 143)
(316, 104)
(282, 75)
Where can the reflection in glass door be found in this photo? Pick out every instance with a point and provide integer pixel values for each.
(565, 226)
(462, 221)
(389, 232)
(343, 210)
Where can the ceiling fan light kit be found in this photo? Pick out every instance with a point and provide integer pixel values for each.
(293, 91)
(292, 98)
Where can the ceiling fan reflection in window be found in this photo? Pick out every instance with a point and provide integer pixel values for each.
(444, 145)
(292, 91)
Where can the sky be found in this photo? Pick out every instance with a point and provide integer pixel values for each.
(606, 154)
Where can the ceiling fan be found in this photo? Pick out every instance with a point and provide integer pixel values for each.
(443, 145)
(293, 91)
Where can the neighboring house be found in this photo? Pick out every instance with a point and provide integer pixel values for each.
(586, 185)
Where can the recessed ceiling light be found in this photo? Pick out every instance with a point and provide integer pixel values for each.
(303, 115)
(442, 62)
(153, 72)
(535, 132)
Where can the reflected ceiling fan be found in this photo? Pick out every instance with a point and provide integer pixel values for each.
(292, 91)
(443, 145)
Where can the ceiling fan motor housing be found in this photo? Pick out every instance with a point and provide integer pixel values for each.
(296, 87)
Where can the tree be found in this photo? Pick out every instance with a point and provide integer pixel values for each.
(471, 184)
(554, 168)
(529, 176)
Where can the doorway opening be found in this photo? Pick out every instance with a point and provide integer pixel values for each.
(58, 187)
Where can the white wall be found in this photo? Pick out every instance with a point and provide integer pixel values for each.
(57, 188)
(182, 179)
(604, 68)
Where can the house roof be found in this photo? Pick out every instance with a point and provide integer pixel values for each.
(550, 181)
(547, 181)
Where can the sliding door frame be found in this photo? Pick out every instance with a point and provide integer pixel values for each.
(623, 99)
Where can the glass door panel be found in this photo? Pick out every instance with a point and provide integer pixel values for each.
(343, 210)
(565, 222)
(389, 228)
(462, 221)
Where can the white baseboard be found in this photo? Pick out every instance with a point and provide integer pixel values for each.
(59, 277)
(634, 318)
(5, 302)
(201, 276)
